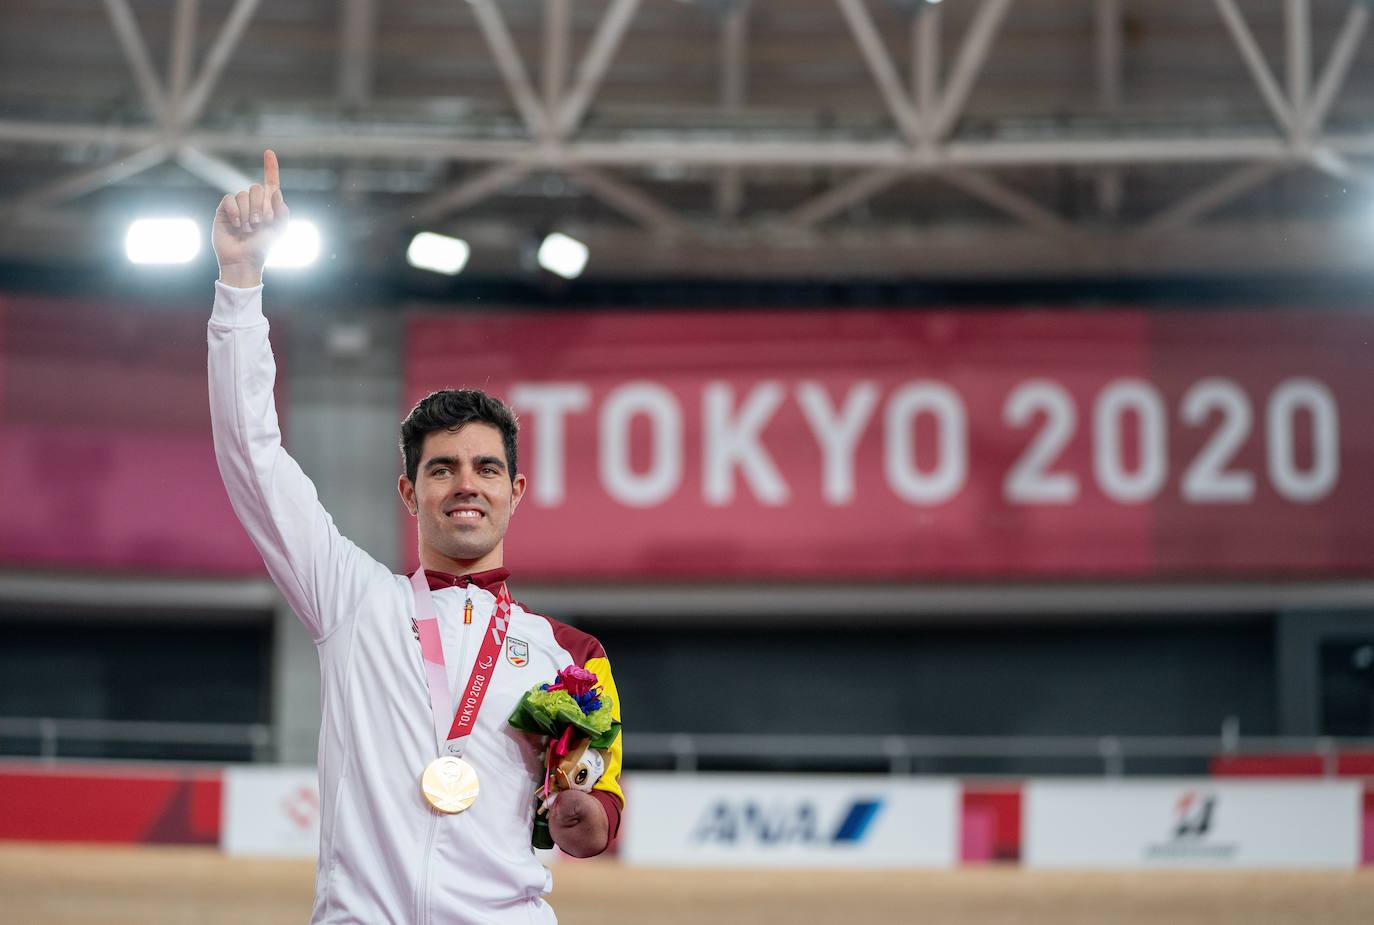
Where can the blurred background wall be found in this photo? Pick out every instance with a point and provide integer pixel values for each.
(1080, 191)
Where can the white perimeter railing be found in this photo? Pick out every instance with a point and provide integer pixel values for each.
(905, 754)
(49, 734)
(685, 751)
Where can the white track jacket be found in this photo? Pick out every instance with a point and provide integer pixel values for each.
(385, 856)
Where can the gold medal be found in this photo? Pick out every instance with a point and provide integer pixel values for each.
(450, 784)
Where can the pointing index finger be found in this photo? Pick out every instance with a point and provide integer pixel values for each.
(271, 176)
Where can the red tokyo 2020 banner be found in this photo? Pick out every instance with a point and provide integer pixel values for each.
(896, 445)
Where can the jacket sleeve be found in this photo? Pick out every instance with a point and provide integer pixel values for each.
(607, 790)
(322, 574)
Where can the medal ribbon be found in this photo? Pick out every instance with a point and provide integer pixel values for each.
(432, 651)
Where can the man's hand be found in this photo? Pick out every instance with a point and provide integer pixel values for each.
(578, 824)
(247, 224)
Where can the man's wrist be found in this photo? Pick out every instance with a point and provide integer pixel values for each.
(240, 276)
(587, 833)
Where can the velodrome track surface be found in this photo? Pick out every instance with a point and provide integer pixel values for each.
(48, 885)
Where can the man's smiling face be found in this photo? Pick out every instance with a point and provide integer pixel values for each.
(463, 498)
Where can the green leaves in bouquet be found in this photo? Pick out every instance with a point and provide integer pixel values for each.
(550, 712)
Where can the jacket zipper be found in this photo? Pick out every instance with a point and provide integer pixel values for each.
(422, 899)
(422, 913)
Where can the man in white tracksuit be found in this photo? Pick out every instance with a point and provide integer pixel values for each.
(390, 850)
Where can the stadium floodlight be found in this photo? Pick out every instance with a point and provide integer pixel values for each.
(299, 247)
(162, 240)
(562, 255)
(438, 253)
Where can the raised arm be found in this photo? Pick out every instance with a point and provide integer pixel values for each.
(320, 572)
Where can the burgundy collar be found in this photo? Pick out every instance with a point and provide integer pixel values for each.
(487, 581)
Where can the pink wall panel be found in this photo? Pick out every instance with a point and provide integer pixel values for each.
(106, 459)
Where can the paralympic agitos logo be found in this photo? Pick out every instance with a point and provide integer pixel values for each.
(781, 823)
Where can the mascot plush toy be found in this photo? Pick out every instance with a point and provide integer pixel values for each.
(575, 714)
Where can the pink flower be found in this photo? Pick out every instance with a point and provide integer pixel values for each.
(577, 681)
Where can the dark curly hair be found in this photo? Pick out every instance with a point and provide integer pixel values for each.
(450, 409)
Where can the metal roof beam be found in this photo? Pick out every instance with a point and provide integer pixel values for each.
(182, 51)
(990, 190)
(78, 184)
(510, 64)
(880, 65)
(466, 193)
(359, 141)
(1297, 27)
(925, 62)
(595, 63)
(734, 79)
(1108, 47)
(973, 53)
(216, 172)
(357, 29)
(840, 197)
(1337, 67)
(557, 36)
(1334, 165)
(136, 53)
(215, 60)
(628, 200)
(1199, 203)
(1259, 67)
(1108, 30)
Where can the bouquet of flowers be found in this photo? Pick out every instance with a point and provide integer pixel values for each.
(575, 714)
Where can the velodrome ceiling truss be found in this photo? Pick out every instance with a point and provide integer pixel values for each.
(730, 189)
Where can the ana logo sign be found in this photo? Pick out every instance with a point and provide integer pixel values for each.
(777, 820)
(799, 823)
